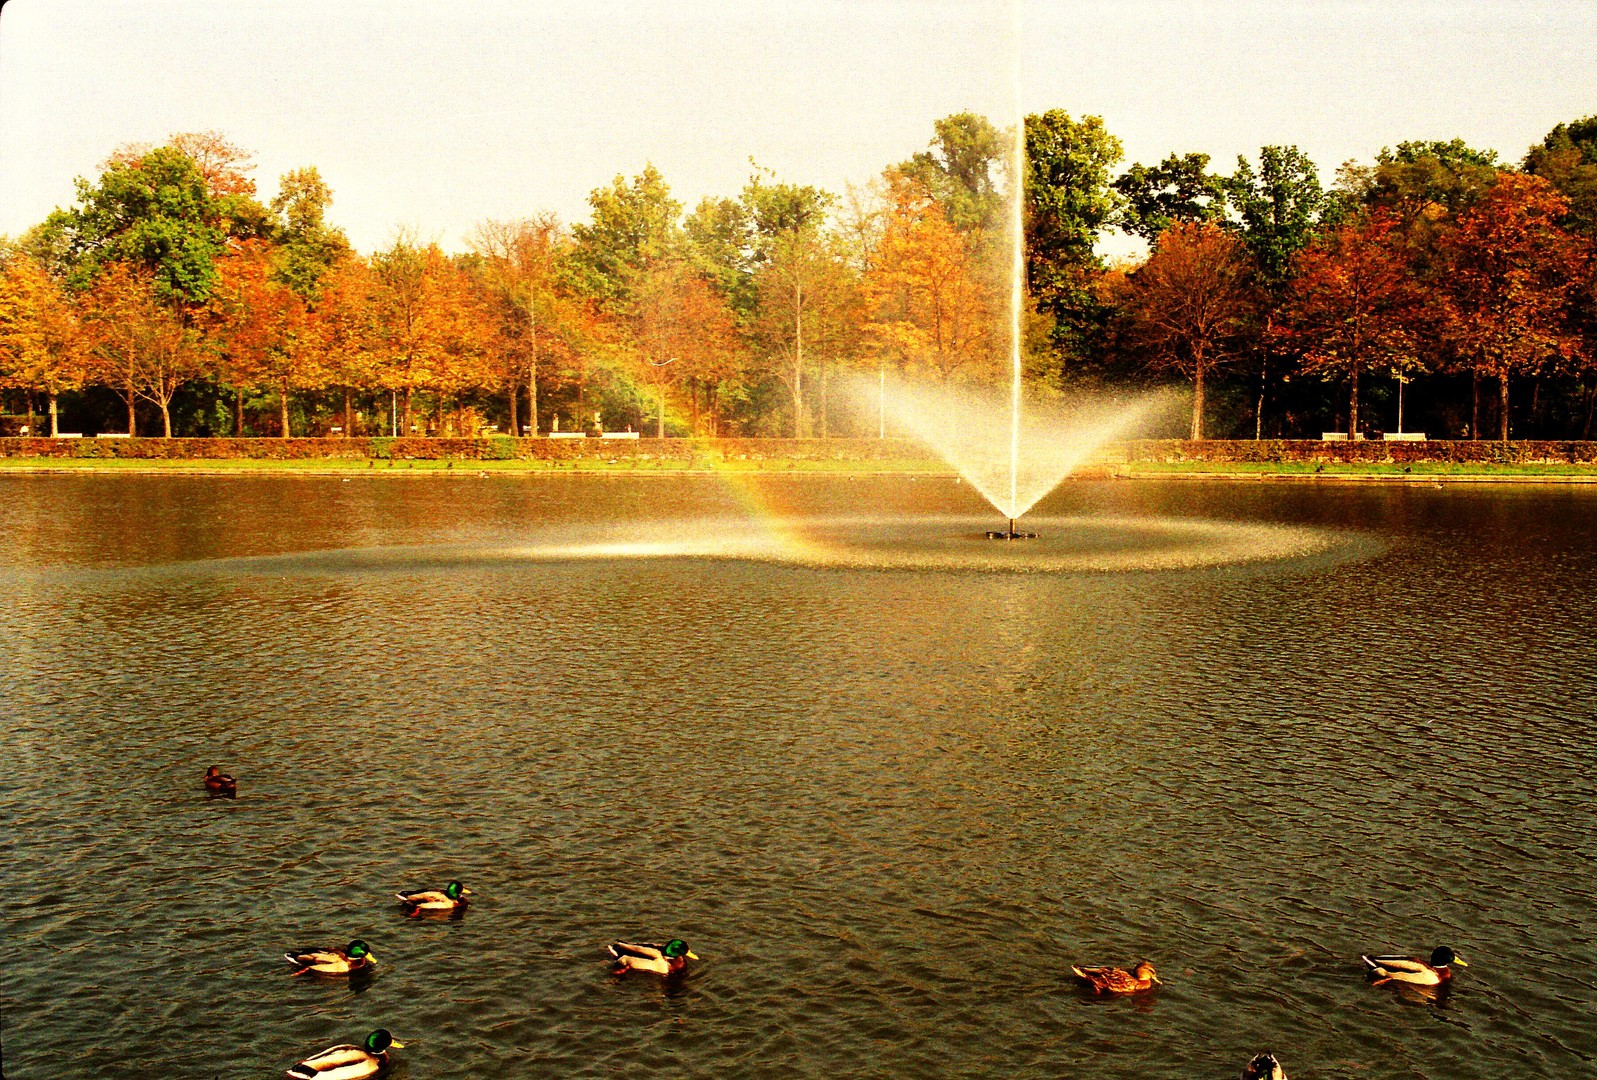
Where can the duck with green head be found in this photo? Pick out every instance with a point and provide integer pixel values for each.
(668, 959)
(1411, 969)
(352, 960)
(450, 900)
(346, 1062)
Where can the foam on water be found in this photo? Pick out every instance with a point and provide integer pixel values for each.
(1077, 544)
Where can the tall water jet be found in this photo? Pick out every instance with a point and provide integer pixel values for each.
(1011, 449)
(1017, 280)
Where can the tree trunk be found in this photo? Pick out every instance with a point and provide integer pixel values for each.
(660, 433)
(1353, 407)
(532, 372)
(55, 426)
(282, 405)
(1535, 406)
(349, 417)
(132, 417)
(515, 402)
(166, 419)
(1197, 401)
(825, 428)
(1502, 397)
(1475, 405)
(798, 361)
(405, 412)
(532, 402)
(238, 412)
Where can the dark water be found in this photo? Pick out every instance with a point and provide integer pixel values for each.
(888, 807)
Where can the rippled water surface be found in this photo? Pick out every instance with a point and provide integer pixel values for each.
(887, 788)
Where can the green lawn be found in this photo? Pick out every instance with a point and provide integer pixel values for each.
(1439, 469)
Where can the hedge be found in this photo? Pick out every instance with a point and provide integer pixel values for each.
(508, 448)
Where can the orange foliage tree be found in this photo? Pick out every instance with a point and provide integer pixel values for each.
(140, 347)
(41, 341)
(1354, 306)
(1512, 272)
(263, 341)
(534, 319)
(678, 326)
(1186, 305)
(339, 329)
(928, 305)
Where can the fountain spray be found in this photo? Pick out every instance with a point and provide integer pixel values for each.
(1017, 289)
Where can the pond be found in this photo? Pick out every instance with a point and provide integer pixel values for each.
(888, 779)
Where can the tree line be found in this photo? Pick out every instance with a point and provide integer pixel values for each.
(169, 298)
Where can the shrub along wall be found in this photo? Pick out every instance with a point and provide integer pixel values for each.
(1482, 452)
(506, 448)
(493, 448)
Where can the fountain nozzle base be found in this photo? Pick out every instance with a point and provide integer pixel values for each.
(1011, 534)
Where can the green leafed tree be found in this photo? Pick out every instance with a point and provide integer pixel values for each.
(1567, 158)
(1069, 202)
(1178, 189)
(633, 222)
(308, 245)
(962, 170)
(1277, 208)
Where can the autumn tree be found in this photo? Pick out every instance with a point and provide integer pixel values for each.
(534, 317)
(929, 307)
(139, 345)
(678, 327)
(1512, 272)
(419, 336)
(41, 341)
(1188, 303)
(262, 328)
(1354, 306)
(339, 328)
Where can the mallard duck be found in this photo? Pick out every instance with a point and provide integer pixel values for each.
(348, 961)
(667, 959)
(1411, 969)
(345, 1062)
(218, 782)
(450, 901)
(1263, 1067)
(1113, 980)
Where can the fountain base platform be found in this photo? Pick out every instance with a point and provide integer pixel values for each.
(1011, 534)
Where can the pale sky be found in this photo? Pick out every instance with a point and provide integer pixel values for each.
(437, 115)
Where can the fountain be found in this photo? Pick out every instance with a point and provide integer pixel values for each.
(1011, 454)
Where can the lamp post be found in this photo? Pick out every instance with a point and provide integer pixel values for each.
(661, 387)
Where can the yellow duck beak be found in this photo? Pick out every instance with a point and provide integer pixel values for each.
(396, 1045)
(1459, 961)
(692, 955)
(1155, 978)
